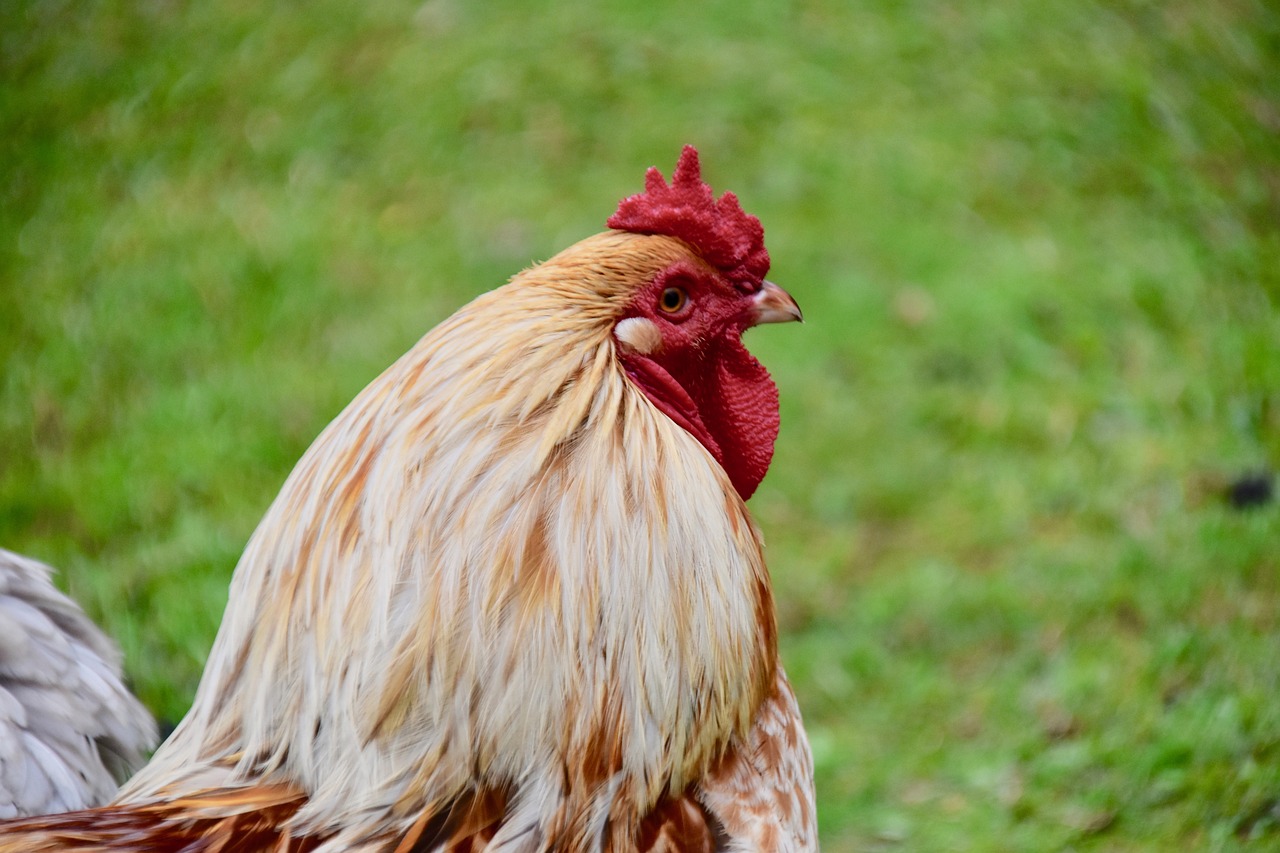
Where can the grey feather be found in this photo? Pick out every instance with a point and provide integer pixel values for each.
(70, 731)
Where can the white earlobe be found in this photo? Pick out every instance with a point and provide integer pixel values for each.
(638, 335)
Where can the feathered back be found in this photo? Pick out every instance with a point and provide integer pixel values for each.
(70, 731)
(500, 575)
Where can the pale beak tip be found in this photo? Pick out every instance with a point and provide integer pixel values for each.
(775, 305)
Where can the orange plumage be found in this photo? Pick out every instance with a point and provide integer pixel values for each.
(511, 598)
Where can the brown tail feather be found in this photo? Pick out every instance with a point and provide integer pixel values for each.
(465, 826)
(231, 820)
(255, 820)
(677, 826)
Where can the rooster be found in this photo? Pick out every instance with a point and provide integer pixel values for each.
(70, 730)
(511, 598)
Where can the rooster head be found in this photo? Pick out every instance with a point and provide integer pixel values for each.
(680, 337)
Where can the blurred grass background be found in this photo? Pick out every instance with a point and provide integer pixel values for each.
(1037, 249)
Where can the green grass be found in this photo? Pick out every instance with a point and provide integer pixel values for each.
(1036, 245)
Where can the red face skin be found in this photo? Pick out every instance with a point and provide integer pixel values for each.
(701, 375)
(698, 372)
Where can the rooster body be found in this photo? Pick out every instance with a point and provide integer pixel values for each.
(70, 730)
(511, 598)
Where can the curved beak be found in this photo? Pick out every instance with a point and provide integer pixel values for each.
(775, 305)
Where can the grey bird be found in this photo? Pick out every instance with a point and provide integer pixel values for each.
(70, 730)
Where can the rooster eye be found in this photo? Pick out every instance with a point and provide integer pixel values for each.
(673, 299)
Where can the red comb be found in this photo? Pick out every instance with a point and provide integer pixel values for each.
(724, 235)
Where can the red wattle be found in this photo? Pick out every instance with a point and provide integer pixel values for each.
(725, 399)
(667, 395)
(741, 411)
